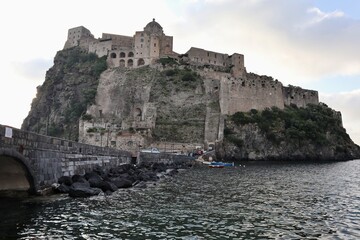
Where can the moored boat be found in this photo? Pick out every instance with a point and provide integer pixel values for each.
(224, 164)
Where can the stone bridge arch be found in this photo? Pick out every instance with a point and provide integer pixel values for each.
(16, 173)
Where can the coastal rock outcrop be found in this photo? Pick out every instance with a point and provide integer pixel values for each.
(314, 133)
(176, 103)
(123, 176)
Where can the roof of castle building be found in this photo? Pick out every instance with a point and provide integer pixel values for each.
(154, 27)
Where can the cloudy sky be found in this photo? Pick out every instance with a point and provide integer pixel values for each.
(314, 44)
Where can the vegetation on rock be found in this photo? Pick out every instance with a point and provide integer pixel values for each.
(175, 121)
(291, 129)
(70, 87)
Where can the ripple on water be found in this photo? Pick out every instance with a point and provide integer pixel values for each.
(260, 201)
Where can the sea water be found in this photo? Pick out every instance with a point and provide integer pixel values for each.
(261, 200)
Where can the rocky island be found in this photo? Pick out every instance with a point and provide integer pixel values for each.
(132, 92)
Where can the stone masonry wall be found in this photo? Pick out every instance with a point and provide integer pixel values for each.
(50, 158)
(253, 92)
(300, 97)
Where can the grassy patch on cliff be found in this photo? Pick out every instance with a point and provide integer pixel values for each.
(173, 81)
(76, 58)
(313, 124)
(89, 65)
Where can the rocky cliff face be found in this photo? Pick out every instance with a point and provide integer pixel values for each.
(176, 102)
(159, 103)
(69, 88)
(312, 133)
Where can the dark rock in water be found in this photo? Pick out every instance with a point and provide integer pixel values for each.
(158, 167)
(121, 169)
(63, 188)
(79, 191)
(92, 174)
(147, 176)
(123, 176)
(66, 180)
(108, 192)
(95, 181)
(140, 185)
(100, 171)
(78, 178)
(108, 186)
(80, 185)
(122, 182)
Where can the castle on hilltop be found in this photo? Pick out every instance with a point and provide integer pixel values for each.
(124, 104)
(145, 47)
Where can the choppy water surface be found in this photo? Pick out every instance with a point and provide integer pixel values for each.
(259, 201)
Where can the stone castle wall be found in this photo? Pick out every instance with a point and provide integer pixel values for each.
(233, 63)
(100, 47)
(119, 40)
(200, 56)
(75, 35)
(229, 87)
(242, 95)
(300, 97)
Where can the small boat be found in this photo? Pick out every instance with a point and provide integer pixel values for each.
(224, 164)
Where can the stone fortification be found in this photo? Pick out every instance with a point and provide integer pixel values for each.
(125, 51)
(299, 97)
(179, 98)
(201, 57)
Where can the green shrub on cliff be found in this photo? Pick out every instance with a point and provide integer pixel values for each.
(70, 87)
(168, 61)
(99, 66)
(296, 125)
(77, 58)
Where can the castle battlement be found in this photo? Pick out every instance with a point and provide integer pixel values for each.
(125, 51)
(147, 46)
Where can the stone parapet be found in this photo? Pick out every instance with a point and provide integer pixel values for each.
(48, 158)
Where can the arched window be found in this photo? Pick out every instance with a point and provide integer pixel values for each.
(131, 54)
(113, 55)
(130, 63)
(141, 62)
(122, 63)
(122, 54)
(137, 112)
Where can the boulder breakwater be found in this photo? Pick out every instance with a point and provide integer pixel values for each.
(127, 175)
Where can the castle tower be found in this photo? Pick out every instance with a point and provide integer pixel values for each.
(76, 36)
(151, 43)
(154, 28)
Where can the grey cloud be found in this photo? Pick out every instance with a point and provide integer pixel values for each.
(297, 35)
